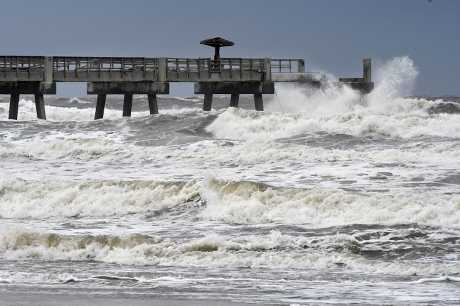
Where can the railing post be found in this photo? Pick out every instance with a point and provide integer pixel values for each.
(48, 78)
(162, 69)
(301, 66)
(367, 70)
(48, 82)
(268, 69)
(177, 68)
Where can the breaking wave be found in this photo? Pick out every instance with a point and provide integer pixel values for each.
(275, 250)
(341, 110)
(232, 202)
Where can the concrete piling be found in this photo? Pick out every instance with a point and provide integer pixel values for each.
(258, 102)
(40, 106)
(153, 104)
(207, 105)
(367, 70)
(127, 105)
(100, 106)
(14, 106)
(235, 89)
(234, 99)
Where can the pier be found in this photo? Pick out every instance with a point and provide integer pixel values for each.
(38, 75)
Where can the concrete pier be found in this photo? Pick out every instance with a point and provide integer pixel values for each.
(100, 106)
(128, 89)
(40, 106)
(14, 106)
(207, 103)
(234, 100)
(258, 102)
(153, 104)
(128, 76)
(235, 89)
(17, 88)
(127, 105)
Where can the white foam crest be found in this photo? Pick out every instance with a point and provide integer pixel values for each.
(231, 202)
(444, 278)
(274, 251)
(61, 145)
(77, 145)
(21, 199)
(330, 100)
(16, 277)
(246, 203)
(340, 110)
(188, 99)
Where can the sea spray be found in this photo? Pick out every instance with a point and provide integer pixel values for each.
(341, 110)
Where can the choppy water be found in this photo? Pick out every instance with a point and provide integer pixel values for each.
(323, 198)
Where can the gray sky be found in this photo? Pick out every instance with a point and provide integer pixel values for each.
(332, 35)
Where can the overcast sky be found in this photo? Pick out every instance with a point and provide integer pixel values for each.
(331, 35)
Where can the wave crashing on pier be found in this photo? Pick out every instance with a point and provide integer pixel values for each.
(284, 206)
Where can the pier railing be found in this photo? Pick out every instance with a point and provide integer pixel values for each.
(19, 68)
(134, 69)
(289, 65)
(74, 69)
(227, 69)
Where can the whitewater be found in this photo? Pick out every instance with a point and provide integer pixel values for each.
(326, 197)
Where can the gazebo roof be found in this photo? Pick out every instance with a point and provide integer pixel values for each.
(217, 42)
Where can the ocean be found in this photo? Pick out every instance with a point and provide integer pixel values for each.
(327, 197)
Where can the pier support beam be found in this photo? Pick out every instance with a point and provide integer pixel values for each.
(100, 106)
(127, 105)
(128, 89)
(36, 88)
(234, 99)
(258, 102)
(40, 106)
(14, 106)
(207, 105)
(234, 89)
(153, 104)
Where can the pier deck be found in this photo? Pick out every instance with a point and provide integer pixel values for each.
(38, 75)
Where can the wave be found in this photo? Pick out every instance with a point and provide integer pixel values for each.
(439, 279)
(275, 250)
(180, 149)
(231, 202)
(26, 199)
(319, 207)
(297, 110)
(413, 120)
